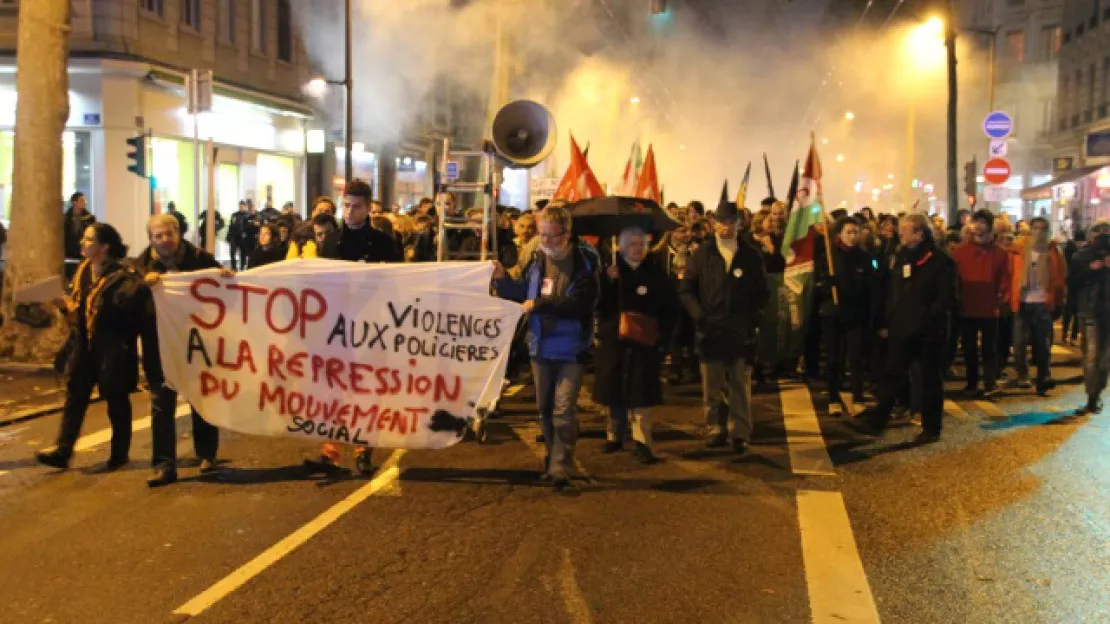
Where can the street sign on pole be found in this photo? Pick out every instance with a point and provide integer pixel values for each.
(452, 172)
(996, 171)
(993, 193)
(999, 148)
(998, 125)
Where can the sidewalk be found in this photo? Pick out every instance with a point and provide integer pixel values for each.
(28, 393)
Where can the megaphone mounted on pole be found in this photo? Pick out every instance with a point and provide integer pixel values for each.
(523, 134)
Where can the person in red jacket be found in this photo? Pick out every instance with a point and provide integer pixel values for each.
(985, 282)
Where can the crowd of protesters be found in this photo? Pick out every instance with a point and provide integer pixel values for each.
(894, 299)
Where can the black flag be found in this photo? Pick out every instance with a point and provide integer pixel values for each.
(767, 169)
(792, 194)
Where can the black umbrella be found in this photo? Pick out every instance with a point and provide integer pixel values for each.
(607, 216)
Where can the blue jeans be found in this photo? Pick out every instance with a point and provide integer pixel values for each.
(1096, 356)
(557, 386)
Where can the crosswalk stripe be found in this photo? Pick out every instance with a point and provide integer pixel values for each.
(955, 410)
(991, 409)
(513, 390)
(804, 439)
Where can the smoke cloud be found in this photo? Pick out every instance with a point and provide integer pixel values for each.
(716, 88)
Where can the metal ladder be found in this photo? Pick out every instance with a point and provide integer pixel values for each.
(483, 186)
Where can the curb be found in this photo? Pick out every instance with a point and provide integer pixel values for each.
(25, 367)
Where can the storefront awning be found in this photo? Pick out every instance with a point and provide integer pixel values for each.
(1044, 191)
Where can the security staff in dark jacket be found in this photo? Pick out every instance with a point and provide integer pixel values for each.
(915, 320)
(168, 253)
(242, 236)
(1090, 275)
(846, 319)
(724, 291)
(203, 219)
(77, 219)
(635, 313)
(108, 306)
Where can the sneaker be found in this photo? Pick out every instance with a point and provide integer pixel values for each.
(115, 463)
(208, 466)
(739, 447)
(926, 437)
(562, 485)
(864, 425)
(644, 454)
(163, 475)
(718, 441)
(612, 446)
(1020, 382)
(991, 391)
(1093, 406)
(915, 418)
(54, 459)
(363, 463)
(1042, 388)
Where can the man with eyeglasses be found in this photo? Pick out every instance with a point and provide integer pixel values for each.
(559, 290)
(1091, 278)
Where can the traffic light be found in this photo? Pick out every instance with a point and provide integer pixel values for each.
(137, 155)
(971, 187)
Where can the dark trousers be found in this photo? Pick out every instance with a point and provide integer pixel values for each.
(1005, 340)
(1033, 326)
(78, 392)
(1071, 319)
(240, 256)
(843, 348)
(684, 360)
(811, 349)
(163, 408)
(955, 329)
(921, 354)
(974, 330)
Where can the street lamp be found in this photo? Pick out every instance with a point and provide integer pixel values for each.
(635, 99)
(849, 115)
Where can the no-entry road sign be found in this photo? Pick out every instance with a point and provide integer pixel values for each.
(998, 125)
(996, 170)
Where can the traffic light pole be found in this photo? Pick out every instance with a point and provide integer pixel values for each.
(950, 45)
(149, 175)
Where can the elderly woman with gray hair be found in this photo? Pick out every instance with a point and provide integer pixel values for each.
(637, 306)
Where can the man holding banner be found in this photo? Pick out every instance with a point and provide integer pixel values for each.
(168, 253)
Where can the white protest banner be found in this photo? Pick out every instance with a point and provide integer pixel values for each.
(392, 356)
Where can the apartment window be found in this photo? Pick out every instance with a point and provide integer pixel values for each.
(284, 31)
(1051, 39)
(227, 21)
(1090, 93)
(1077, 95)
(152, 6)
(190, 14)
(1015, 46)
(1047, 115)
(258, 25)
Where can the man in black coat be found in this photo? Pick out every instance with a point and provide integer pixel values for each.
(920, 295)
(242, 235)
(203, 219)
(725, 290)
(168, 253)
(1089, 276)
(77, 218)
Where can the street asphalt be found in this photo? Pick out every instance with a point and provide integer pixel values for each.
(1007, 519)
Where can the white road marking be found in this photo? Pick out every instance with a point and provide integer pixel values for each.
(4, 472)
(835, 579)
(97, 438)
(991, 410)
(808, 454)
(955, 410)
(513, 390)
(388, 473)
(1062, 350)
(577, 607)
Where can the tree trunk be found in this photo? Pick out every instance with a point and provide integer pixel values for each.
(35, 243)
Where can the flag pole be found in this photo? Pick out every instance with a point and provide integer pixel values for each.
(767, 170)
(825, 218)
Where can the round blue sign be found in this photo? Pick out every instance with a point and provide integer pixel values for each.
(998, 125)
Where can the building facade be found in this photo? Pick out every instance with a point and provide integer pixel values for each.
(1081, 187)
(129, 60)
(1020, 79)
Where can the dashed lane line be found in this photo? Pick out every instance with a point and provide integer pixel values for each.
(835, 579)
(991, 410)
(92, 440)
(808, 455)
(387, 475)
(955, 410)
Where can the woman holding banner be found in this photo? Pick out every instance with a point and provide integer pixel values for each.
(106, 308)
(636, 310)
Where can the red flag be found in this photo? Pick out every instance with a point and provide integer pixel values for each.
(648, 184)
(579, 182)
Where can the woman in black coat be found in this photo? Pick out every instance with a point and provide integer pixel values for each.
(270, 247)
(628, 362)
(107, 308)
